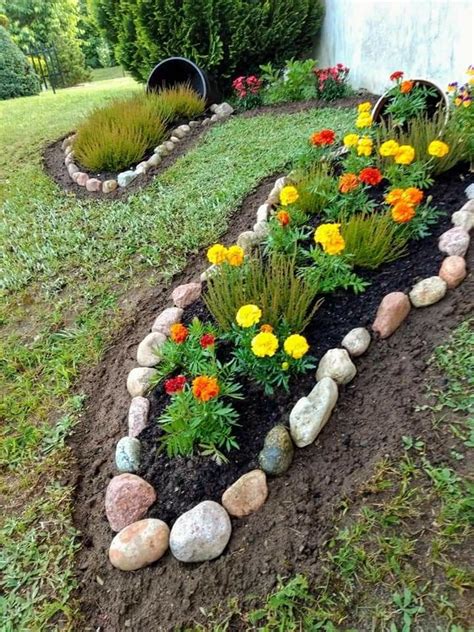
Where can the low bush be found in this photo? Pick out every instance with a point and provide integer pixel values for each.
(373, 239)
(295, 82)
(271, 283)
(118, 135)
(17, 77)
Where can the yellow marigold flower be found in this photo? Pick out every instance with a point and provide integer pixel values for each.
(438, 149)
(330, 238)
(405, 155)
(217, 254)
(264, 344)
(389, 148)
(235, 256)
(364, 146)
(248, 315)
(364, 107)
(296, 346)
(288, 195)
(285, 366)
(351, 140)
(364, 120)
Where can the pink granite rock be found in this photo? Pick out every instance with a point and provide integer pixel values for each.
(169, 316)
(453, 270)
(138, 415)
(392, 311)
(186, 294)
(127, 500)
(247, 494)
(80, 178)
(454, 241)
(139, 544)
(93, 184)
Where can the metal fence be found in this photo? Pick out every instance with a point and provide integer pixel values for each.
(46, 65)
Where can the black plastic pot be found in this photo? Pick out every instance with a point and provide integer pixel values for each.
(179, 70)
(432, 105)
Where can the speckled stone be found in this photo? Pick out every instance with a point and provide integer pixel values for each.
(93, 184)
(428, 291)
(336, 364)
(453, 270)
(184, 295)
(246, 495)
(454, 241)
(138, 381)
(168, 317)
(140, 544)
(357, 341)
(277, 453)
(138, 415)
(80, 178)
(127, 500)
(127, 454)
(109, 185)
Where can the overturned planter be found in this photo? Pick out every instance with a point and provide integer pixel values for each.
(203, 532)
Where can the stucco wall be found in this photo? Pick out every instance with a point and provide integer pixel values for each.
(432, 39)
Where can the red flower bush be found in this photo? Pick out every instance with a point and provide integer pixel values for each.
(398, 74)
(324, 137)
(175, 384)
(331, 82)
(370, 176)
(208, 340)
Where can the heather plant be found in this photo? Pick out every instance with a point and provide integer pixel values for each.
(316, 187)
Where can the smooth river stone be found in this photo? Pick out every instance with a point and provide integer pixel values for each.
(138, 416)
(428, 291)
(392, 311)
(310, 414)
(336, 364)
(168, 317)
(147, 349)
(246, 495)
(138, 380)
(453, 270)
(184, 295)
(278, 451)
(454, 241)
(127, 454)
(357, 341)
(139, 544)
(127, 500)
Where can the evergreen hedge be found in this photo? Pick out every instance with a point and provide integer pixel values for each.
(17, 78)
(225, 37)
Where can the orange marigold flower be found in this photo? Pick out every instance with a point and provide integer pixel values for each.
(412, 195)
(324, 137)
(348, 182)
(179, 333)
(403, 212)
(394, 196)
(283, 217)
(205, 388)
(266, 329)
(370, 176)
(406, 87)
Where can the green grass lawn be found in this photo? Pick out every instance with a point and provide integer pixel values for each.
(101, 74)
(66, 264)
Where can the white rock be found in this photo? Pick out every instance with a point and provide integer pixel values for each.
(274, 197)
(454, 241)
(194, 124)
(247, 240)
(162, 150)
(178, 132)
(337, 364)
(175, 139)
(205, 122)
(215, 118)
(208, 273)
(201, 534)
(470, 192)
(154, 160)
(428, 291)
(184, 128)
(261, 229)
(138, 381)
(464, 219)
(126, 177)
(263, 212)
(223, 110)
(169, 145)
(138, 415)
(357, 341)
(310, 414)
(142, 167)
(169, 316)
(140, 544)
(148, 347)
(469, 206)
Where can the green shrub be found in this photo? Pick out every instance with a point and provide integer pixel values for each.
(295, 82)
(271, 284)
(373, 239)
(225, 37)
(17, 78)
(180, 101)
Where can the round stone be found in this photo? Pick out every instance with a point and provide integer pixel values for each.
(138, 381)
(168, 317)
(127, 454)
(246, 495)
(139, 544)
(336, 364)
(93, 184)
(148, 348)
(277, 453)
(154, 160)
(392, 311)
(464, 219)
(428, 291)
(454, 241)
(201, 534)
(186, 294)
(357, 341)
(80, 178)
(127, 500)
(453, 270)
(109, 185)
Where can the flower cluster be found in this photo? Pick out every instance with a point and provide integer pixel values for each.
(323, 137)
(330, 238)
(175, 385)
(337, 74)
(179, 333)
(219, 254)
(364, 118)
(461, 95)
(370, 176)
(404, 203)
(402, 154)
(205, 388)
(438, 149)
(244, 86)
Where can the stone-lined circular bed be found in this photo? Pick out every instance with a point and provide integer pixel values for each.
(196, 485)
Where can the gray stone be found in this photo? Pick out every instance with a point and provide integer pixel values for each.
(127, 454)
(470, 191)
(138, 415)
(154, 160)
(164, 320)
(194, 124)
(109, 185)
(179, 133)
(215, 118)
(69, 159)
(247, 240)
(205, 122)
(138, 381)
(464, 219)
(80, 178)
(469, 206)
(310, 414)
(261, 230)
(125, 178)
(208, 273)
(147, 349)
(175, 139)
(428, 291)
(142, 167)
(223, 110)
(140, 544)
(277, 453)
(357, 341)
(161, 150)
(454, 241)
(274, 196)
(263, 212)
(185, 128)
(169, 145)
(72, 169)
(67, 142)
(201, 534)
(337, 364)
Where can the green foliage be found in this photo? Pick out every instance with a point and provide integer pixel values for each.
(283, 239)
(426, 216)
(404, 176)
(17, 78)
(4, 21)
(225, 37)
(373, 239)
(119, 134)
(295, 82)
(288, 609)
(35, 24)
(272, 284)
(316, 187)
(328, 272)
(96, 50)
(344, 205)
(403, 107)
(188, 422)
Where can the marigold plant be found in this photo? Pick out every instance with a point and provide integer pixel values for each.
(288, 195)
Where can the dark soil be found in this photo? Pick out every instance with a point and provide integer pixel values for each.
(372, 414)
(53, 155)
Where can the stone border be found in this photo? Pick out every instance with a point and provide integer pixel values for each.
(141, 542)
(220, 112)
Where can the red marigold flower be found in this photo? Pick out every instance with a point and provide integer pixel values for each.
(370, 176)
(175, 384)
(283, 217)
(207, 340)
(398, 74)
(324, 137)
(179, 333)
